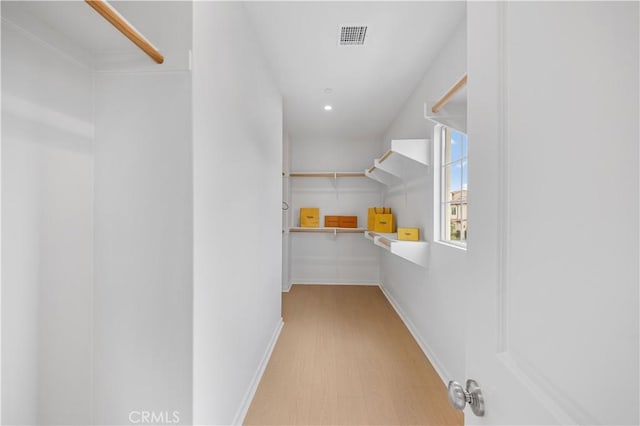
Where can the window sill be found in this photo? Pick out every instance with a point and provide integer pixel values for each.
(459, 246)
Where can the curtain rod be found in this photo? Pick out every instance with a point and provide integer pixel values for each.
(110, 14)
(452, 91)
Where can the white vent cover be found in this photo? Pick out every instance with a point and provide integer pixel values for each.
(352, 35)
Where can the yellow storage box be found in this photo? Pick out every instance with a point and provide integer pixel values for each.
(309, 217)
(408, 234)
(371, 216)
(384, 223)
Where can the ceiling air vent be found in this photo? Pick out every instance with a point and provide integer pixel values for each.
(352, 35)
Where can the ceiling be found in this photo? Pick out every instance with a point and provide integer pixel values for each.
(369, 83)
(76, 29)
(72, 20)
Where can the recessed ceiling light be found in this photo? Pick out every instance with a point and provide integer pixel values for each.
(328, 107)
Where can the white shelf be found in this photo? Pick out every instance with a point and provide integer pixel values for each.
(454, 114)
(413, 251)
(327, 230)
(377, 174)
(406, 158)
(333, 175)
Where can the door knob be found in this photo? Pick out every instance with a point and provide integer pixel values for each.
(459, 397)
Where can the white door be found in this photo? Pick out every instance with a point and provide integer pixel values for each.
(552, 314)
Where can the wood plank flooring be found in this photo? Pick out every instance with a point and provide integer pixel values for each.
(344, 357)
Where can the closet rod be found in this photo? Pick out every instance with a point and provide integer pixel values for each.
(452, 91)
(110, 14)
(327, 174)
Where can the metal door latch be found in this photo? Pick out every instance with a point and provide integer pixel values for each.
(459, 397)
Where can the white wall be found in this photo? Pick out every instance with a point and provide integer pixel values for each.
(47, 193)
(431, 298)
(287, 211)
(0, 224)
(325, 258)
(237, 184)
(143, 228)
(143, 257)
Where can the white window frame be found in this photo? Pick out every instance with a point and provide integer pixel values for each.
(438, 191)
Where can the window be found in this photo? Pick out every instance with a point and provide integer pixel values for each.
(453, 184)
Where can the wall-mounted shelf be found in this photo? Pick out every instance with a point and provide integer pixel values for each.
(377, 174)
(451, 109)
(413, 251)
(333, 175)
(449, 94)
(406, 158)
(328, 230)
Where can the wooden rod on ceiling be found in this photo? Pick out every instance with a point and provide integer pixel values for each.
(110, 14)
(452, 91)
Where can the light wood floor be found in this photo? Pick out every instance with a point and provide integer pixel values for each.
(345, 357)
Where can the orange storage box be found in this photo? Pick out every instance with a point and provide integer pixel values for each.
(331, 221)
(348, 221)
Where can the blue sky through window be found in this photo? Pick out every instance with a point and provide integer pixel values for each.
(459, 168)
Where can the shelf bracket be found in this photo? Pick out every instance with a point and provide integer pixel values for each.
(335, 180)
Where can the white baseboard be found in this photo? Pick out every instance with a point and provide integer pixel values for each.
(253, 387)
(286, 290)
(320, 282)
(428, 352)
